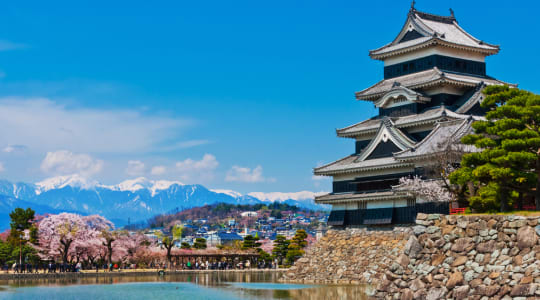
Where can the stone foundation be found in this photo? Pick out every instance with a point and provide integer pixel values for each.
(441, 257)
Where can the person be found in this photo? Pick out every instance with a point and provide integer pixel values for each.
(110, 267)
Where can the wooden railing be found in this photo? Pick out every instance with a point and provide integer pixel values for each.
(456, 211)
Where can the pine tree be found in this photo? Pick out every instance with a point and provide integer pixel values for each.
(298, 243)
(508, 166)
(250, 242)
(200, 243)
(281, 247)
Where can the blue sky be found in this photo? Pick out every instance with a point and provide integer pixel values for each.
(241, 95)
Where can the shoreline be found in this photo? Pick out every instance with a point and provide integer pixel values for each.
(90, 274)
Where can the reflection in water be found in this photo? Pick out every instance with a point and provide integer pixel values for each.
(259, 285)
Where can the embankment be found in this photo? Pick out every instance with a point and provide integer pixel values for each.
(441, 257)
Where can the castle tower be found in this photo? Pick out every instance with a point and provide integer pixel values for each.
(434, 74)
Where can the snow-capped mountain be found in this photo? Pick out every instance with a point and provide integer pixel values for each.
(135, 199)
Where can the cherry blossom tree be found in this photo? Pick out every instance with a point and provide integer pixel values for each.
(57, 233)
(427, 190)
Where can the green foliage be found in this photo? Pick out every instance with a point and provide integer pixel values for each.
(200, 243)
(298, 243)
(185, 245)
(281, 247)
(509, 162)
(250, 242)
(21, 219)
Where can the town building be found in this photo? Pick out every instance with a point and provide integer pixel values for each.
(434, 74)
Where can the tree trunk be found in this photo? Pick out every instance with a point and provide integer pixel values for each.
(537, 191)
(520, 201)
(504, 200)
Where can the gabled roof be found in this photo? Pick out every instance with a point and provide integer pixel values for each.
(438, 140)
(387, 132)
(476, 97)
(432, 30)
(399, 91)
(424, 79)
(430, 116)
(352, 164)
(355, 197)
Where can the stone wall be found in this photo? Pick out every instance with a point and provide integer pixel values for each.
(442, 257)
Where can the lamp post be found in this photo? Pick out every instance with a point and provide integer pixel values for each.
(20, 228)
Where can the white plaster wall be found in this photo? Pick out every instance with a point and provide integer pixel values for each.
(457, 53)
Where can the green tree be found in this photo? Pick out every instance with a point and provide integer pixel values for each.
(298, 243)
(21, 219)
(169, 241)
(185, 245)
(508, 165)
(200, 243)
(281, 247)
(6, 250)
(250, 242)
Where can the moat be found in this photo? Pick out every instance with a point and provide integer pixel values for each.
(222, 285)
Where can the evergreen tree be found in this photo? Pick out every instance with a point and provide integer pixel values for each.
(508, 167)
(250, 242)
(281, 247)
(298, 243)
(21, 219)
(200, 243)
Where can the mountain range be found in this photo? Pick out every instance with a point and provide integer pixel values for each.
(133, 200)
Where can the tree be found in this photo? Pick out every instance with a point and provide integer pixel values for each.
(185, 245)
(169, 241)
(250, 242)
(21, 219)
(298, 243)
(58, 232)
(427, 190)
(200, 243)
(508, 165)
(281, 247)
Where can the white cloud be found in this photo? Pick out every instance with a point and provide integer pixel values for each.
(202, 170)
(135, 168)
(2, 169)
(243, 174)
(8, 45)
(44, 125)
(14, 148)
(64, 162)
(158, 170)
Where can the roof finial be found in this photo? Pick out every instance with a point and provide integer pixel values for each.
(452, 13)
(412, 5)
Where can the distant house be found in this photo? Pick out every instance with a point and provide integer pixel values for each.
(248, 214)
(223, 238)
(232, 222)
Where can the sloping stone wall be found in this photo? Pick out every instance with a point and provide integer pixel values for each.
(350, 256)
(443, 257)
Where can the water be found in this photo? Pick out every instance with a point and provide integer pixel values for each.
(179, 286)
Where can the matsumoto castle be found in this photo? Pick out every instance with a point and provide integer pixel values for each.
(434, 74)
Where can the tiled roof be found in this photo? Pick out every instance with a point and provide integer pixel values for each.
(476, 97)
(430, 116)
(352, 164)
(434, 30)
(427, 78)
(438, 139)
(353, 197)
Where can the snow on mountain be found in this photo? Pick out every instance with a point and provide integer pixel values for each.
(228, 192)
(133, 185)
(60, 182)
(280, 197)
(136, 199)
